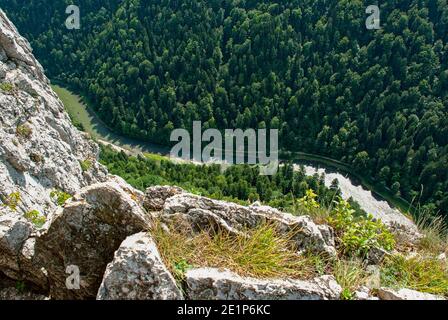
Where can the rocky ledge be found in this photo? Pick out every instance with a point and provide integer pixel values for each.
(106, 231)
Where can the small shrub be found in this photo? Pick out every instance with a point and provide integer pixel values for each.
(309, 201)
(356, 236)
(24, 131)
(85, 165)
(36, 218)
(59, 197)
(12, 201)
(6, 86)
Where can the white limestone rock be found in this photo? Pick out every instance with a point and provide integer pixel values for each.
(214, 284)
(406, 294)
(137, 272)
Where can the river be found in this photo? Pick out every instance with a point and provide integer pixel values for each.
(350, 187)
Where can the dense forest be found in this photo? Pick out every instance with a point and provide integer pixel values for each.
(240, 184)
(374, 99)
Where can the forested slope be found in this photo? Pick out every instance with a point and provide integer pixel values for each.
(375, 99)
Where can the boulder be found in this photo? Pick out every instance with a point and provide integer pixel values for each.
(155, 197)
(85, 234)
(137, 272)
(406, 294)
(214, 284)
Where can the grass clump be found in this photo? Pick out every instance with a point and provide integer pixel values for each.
(59, 197)
(35, 218)
(24, 131)
(6, 86)
(350, 275)
(261, 252)
(435, 234)
(12, 201)
(86, 165)
(424, 274)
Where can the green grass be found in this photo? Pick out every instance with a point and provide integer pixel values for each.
(77, 111)
(6, 86)
(435, 234)
(156, 157)
(350, 274)
(86, 165)
(421, 273)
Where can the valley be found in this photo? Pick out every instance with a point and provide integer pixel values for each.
(380, 204)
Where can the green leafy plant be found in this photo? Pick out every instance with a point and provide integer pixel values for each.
(12, 201)
(180, 268)
(59, 197)
(309, 200)
(36, 218)
(85, 165)
(357, 236)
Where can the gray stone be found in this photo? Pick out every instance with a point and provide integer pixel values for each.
(214, 284)
(14, 231)
(406, 294)
(155, 197)
(137, 272)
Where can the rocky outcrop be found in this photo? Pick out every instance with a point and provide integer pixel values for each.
(203, 213)
(40, 150)
(406, 294)
(155, 197)
(213, 284)
(86, 233)
(138, 273)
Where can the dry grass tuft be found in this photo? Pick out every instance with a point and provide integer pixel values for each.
(260, 253)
